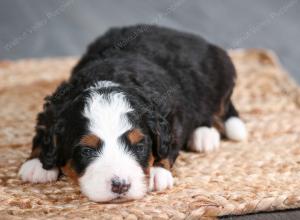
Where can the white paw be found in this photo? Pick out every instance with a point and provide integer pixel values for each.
(205, 139)
(160, 179)
(235, 129)
(32, 171)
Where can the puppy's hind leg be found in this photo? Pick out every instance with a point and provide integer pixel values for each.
(235, 128)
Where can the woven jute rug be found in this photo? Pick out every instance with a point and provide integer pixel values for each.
(261, 174)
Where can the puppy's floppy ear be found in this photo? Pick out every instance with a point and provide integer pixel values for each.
(48, 129)
(160, 133)
(43, 146)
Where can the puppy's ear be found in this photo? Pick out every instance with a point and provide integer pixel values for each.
(45, 142)
(160, 133)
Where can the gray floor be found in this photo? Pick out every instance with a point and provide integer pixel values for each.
(65, 27)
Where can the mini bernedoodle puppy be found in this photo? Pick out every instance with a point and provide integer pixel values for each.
(137, 97)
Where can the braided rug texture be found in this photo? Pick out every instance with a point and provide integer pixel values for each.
(261, 174)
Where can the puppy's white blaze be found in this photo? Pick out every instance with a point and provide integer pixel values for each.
(235, 129)
(107, 115)
(107, 119)
(104, 84)
(160, 179)
(32, 171)
(205, 139)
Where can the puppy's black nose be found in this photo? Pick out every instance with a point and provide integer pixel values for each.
(119, 186)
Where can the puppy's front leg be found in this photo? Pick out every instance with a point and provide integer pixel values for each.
(161, 177)
(41, 166)
(32, 169)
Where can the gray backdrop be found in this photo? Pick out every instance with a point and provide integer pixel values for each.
(43, 28)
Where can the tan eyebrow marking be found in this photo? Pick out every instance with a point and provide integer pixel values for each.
(90, 140)
(135, 136)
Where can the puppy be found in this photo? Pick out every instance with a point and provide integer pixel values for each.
(137, 97)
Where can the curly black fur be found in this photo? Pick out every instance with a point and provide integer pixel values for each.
(175, 82)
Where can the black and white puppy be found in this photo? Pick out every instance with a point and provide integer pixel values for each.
(137, 97)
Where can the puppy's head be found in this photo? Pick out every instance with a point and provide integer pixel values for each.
(111, 143)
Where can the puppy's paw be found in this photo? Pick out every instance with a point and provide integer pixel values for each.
(235, 129)
(33, 171)
(160, 179)
(205, 139)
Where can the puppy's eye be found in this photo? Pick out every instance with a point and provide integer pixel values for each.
(139, 147)
(87, 151)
